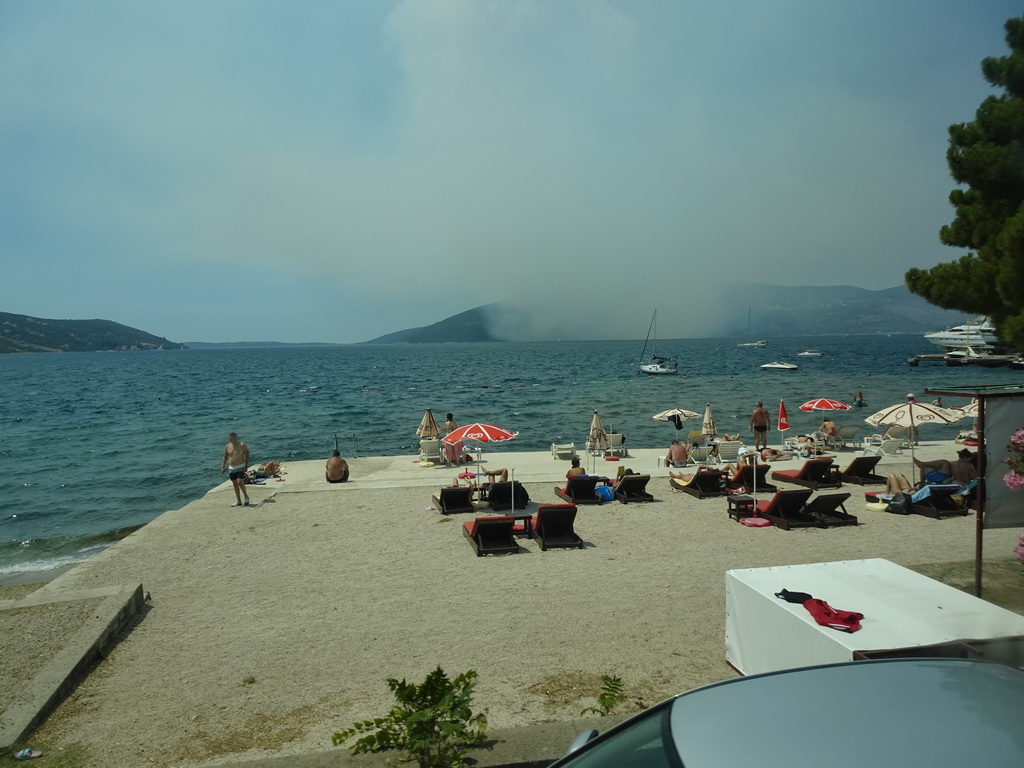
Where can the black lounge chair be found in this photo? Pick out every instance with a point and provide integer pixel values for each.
(745, 476)
(491, 535)
(552, 526)
(942, 501)
(454, 499)
(580, 489)
(786, 510)
(707, 484)
(829, 510)
(860, 472)
(508, 495)
(814, 474)
(633, 488)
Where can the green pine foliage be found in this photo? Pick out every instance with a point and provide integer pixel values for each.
(986, 157)
(432, 723)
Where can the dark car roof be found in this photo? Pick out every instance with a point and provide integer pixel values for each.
(896, 713)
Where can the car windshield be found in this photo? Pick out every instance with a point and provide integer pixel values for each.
(642, 744)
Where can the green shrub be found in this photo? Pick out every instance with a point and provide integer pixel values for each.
(431, 722)
(610, 697)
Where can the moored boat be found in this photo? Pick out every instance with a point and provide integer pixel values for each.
(658, 365)
(810, 353)
(777, 366)
(979, 335)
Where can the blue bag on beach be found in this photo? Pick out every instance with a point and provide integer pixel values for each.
(606, 492)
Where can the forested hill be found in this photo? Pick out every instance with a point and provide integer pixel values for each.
(21, 333)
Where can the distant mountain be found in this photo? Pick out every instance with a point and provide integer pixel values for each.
(773, 311)
(256, 344)
(21, 333)
(472, 325)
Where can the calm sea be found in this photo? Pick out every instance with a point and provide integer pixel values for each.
(97, 444)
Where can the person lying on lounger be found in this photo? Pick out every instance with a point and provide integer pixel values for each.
(685, 479)
(962, 471)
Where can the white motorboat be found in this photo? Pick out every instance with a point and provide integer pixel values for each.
(758, 343)
(979, 335)
(657, 364)
(777, 366)
(810, 353)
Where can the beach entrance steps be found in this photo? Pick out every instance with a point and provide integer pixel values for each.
(704, 483)
(580, 489)
(814, 474)
(492, 535)
(553, 526)
(633, 488)
(454, 500)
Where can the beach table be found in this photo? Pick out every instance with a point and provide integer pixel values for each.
(901, 608)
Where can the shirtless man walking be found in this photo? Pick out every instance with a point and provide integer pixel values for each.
(760, 419)
(236, 459)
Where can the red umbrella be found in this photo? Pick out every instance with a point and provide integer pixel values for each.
(824, 404)
(783, 418)
(483, 433)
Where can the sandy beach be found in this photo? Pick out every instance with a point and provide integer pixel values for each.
(270, 627)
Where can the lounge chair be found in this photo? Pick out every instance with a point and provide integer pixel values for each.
(507, 495)
(887, 447)
(828, 509)
(563, 451)
(553, 526)
(430, 450)
(939, 501)
(844, 435)
(860, 471)
(814, 474)
(616, 445)
(633, 488)
(491, 535)
(580, 489)
(454, 499)
(706, 484)
(745, 476)
(786, 510)
(729, 451)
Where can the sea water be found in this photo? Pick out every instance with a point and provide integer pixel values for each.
(96, 444)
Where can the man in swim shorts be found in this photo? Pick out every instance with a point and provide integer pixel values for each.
(759, 421)
(336, 470)
(236, 459)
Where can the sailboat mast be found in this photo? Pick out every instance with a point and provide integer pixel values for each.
(644, 350)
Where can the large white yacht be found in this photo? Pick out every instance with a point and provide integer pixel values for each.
(979, 335)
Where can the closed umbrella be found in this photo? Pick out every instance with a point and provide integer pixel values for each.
(913, 414)
(708, 428)
(783, 418)
(428, 428)
(597, 438)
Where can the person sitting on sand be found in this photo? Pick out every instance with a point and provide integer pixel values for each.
(677, 454)
(336, 470)
(962, 471)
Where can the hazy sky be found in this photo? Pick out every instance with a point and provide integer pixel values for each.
(332, 171)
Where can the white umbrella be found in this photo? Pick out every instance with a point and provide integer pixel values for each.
(676, 415)
(428, 427)
(597, 439)
(708, 428)
(913, 414)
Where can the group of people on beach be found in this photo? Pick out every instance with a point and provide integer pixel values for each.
(235, 460)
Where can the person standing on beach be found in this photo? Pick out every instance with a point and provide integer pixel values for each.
(452, 453)
(336, 470)
(760, 420)
(236, 459)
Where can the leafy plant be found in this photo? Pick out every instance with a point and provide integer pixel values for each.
(431, 722)
(610, 697)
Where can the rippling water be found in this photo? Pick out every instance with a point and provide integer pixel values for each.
(95, 444)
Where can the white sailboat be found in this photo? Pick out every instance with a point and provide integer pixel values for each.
(657, 365)
(758, 343)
